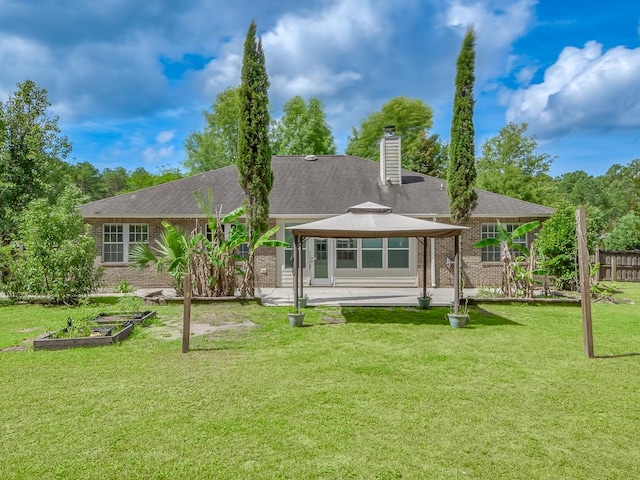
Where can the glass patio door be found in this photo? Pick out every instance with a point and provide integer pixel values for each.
(321, 264)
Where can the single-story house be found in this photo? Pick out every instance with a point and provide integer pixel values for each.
(309, 188)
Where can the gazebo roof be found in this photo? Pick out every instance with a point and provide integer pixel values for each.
(370, 220)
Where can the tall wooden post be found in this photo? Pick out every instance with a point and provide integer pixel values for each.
(585, 286)
(186, 312)
(456, 274)
(614, 269)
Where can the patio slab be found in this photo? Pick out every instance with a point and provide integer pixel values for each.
(364, 297)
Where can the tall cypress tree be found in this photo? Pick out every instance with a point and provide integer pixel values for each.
(462, 169)
(254, 152)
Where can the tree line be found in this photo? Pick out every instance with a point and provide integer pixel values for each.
(34, 154)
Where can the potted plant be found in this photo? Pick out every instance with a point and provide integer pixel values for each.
(296, 318)
(302, 301)
(460, 319)
(424, 300)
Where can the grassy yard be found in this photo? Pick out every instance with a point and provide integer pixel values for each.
(391, 393)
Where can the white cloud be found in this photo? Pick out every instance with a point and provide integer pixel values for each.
(497, 24)
(156, 155)
(165, 136)
(525, 75)
(319, 81)
(306, 52)
(222, 72)
(585, 89)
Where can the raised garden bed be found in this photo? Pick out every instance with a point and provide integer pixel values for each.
(135, 318)
(108, 329)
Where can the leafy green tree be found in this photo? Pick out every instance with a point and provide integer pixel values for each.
(254, 151)
(614, 193)
(88, 179)
(57, 251)
(217, 145)
(580, 188)
(557, 241)
(302, 130)
(411, 118)
(138, 179)
(622, 186)
(114, 180)
(626, 234)
(32, 154)
(461, 174)
(510, 166)
(428, 155)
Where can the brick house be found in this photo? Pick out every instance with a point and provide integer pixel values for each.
(307, 189)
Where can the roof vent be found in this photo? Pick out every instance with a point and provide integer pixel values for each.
(310, 158)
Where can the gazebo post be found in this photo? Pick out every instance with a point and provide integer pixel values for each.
(424, 267)
(301, 266)
(456, 273)
(296, 260)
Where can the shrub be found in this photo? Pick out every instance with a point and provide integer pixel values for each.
(54, 254)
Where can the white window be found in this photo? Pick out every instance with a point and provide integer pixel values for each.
(371, 253)
(346, 253)
(116, 245)
(243, 250)
(397, 253)
(492, 253)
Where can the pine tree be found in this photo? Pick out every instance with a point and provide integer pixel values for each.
(462, 171)
(254, 152)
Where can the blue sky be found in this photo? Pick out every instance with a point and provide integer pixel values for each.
(130, 80)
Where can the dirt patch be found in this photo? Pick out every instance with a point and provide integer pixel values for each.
(172, 330)
(17, 348)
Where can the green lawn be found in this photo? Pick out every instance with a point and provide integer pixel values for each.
(392, 393)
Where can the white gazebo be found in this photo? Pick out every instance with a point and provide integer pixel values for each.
(370, 220)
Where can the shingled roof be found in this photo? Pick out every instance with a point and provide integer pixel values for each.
(322, 187)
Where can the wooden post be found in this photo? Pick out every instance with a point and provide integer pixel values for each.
(585, 286)
(186, 313)
(614, 269)
(456, 274)
(424, 267)
(296, 260)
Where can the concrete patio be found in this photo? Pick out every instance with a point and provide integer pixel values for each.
(365, 297)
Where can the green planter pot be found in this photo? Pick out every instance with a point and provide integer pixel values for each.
(296, 319)
(457, 320)
(424, 302)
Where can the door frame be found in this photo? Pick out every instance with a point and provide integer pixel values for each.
(312, 278)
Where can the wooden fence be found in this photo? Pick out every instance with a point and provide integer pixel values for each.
(618, 266)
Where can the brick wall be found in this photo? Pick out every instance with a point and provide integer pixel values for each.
(476, 273)
(265, 266)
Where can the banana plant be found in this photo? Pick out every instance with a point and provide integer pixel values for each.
(173, 254)
(506, 241)
(263, 240)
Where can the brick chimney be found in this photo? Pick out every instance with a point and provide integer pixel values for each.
(390, 157)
